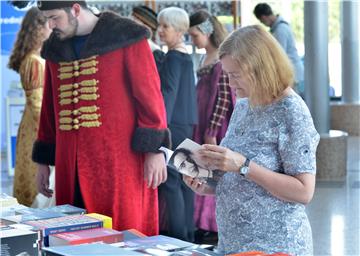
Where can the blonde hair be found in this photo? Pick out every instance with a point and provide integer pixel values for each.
(262, 60)
(175, 17)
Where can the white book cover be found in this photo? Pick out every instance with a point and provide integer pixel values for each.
(186, 161)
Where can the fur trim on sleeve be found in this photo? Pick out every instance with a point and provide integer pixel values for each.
(43, 153)
(150, 140)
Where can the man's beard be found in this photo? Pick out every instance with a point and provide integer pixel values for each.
(71, 31)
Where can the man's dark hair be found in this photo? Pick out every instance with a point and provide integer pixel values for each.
(262, 9)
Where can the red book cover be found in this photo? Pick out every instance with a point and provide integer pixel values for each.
(105, 235)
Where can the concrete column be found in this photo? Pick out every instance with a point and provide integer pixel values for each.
(350, 51)
(345, 115)
(316, 62)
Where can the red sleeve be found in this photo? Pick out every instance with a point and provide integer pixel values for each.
(145, 85)
(44, 146)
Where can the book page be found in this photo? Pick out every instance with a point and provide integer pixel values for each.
(186, 161)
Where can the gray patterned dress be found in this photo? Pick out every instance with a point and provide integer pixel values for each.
(281, 137)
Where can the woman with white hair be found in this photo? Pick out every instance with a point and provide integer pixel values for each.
(178, 88)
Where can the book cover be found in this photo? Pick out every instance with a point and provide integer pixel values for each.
(160, 242)
(18, 241)
(107, 221)
(11, 210)
(185, 160)
(87, 250)
(34, 214)
(66, 223)
(65, 209)
(196, 252)
(130, 234)
(6, 200)
(104, 235)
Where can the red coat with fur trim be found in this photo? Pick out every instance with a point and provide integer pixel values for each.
(100, 113)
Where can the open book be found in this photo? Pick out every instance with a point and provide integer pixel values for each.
(186, 161)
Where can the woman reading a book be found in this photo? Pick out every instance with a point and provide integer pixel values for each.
(267, 155)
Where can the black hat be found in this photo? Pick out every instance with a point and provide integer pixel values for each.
(51, 4)
(146, 15)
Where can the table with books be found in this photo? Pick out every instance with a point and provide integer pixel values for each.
(66, 230)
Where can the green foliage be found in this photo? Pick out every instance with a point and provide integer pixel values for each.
(297, 20)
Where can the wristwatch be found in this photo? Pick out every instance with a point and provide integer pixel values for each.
(244, 169)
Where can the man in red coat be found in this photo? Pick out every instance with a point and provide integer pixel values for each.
(103, 117)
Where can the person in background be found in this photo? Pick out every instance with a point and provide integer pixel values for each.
(215, 101)
(178, 89)
(147, 17)
(281, 30)
(103, 118)
(25, 59)
(268, 153)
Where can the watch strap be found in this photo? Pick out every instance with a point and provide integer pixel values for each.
(244, 169)
(247, 162)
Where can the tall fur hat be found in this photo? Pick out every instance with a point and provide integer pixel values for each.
(52, 4)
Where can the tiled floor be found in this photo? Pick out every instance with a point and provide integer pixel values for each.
(333, 212)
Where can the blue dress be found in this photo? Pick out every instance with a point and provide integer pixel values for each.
(281, 137)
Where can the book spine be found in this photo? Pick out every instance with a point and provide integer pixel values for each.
(71, 228)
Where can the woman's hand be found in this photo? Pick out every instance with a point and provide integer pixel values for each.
(197, 186)
(220, 158)
(210, 140)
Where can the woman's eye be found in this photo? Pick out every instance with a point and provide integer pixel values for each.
(182, 165)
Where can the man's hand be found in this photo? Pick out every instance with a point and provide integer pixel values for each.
(155, 171)
(43, 180)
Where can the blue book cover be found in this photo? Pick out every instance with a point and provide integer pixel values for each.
(33, 214)
(65, 209)
(66, 223)
(160, 242)
(87, 250)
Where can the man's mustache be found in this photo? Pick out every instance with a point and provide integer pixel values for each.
(57, 31)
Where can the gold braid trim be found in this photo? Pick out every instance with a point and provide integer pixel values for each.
(76, 62)
(66, 87)
(92, 89)
(89, 116)
(91, 82)
(81, 97)
(65, 94)
(88, 71)
(91, 124)
(93, 96)
(69, 120)
(81, 90)
(65, 69)
(68, 127)
(91, 63)
(65, 120)
(65, 101)
(84, 109)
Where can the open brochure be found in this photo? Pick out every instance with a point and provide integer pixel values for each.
(185, 160)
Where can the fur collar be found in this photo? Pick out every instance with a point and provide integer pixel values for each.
(110, 33)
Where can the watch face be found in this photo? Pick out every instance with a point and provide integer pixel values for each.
(244, 170)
